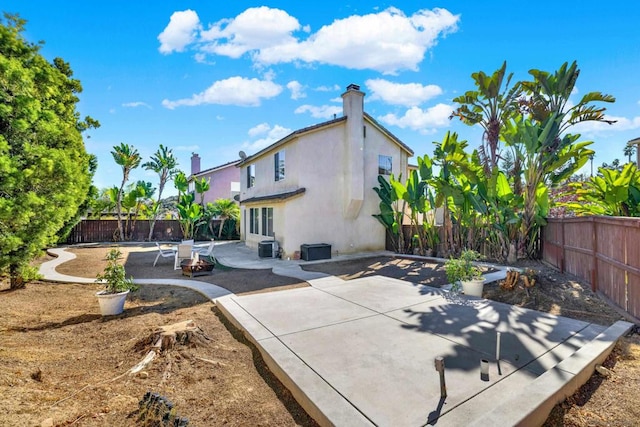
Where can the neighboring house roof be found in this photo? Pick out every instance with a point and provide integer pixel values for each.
(279, 196)
(216, 168)
(634, 141)
(315, 127)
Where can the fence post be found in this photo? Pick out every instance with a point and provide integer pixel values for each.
(594, 246)
(561, 246)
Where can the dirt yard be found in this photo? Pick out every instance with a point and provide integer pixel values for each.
(63, 364)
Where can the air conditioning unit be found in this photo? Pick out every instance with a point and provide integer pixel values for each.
(268, 249)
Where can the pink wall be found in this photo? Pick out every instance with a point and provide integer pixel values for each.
(221, 180)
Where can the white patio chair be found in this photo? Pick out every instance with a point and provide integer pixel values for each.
(208, 251)
(184, 252)
(164, 253)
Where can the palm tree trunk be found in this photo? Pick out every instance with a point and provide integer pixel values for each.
(155, 214)
(221, 226)
(119, 212)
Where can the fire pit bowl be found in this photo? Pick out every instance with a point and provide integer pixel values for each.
(194, 268)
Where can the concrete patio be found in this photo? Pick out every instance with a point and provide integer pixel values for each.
(362, 353)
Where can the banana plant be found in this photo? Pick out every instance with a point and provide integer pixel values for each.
(202, 185)
(548, 158)
(189, 214)
(391, 214)
(611, 192)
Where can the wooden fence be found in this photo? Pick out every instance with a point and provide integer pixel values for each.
(604, 251)
(104, 230)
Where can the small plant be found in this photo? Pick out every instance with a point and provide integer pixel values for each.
(463, 268)
(114, 275)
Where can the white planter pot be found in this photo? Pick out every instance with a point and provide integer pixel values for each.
(111, 304)
(473, 287)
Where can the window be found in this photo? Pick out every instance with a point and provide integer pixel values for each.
(384, 165)
(279, 165)
(267, 221)
(254, 220)
(251, 176)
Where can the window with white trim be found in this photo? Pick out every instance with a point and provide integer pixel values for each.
(251, 176)
(384, 165)
(254, 220)
(267, 221)
(278, 162)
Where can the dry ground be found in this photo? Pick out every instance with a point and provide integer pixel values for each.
(61, 361)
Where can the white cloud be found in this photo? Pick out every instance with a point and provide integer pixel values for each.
(254, 29)
(425, 121)
(136, 104)
(260, 129)
(594, 128)
(386, 41)
(232, 91)
(273, 134)
(408, 95)
(334, 88)
(322, 112)
(180, 32)
(297, 91)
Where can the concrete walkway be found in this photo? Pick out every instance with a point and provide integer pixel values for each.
(48, 271)
(362, 352)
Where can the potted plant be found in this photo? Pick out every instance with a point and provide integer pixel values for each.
(463, 271)
(117, 285)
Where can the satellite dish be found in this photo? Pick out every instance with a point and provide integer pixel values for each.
(242, 155)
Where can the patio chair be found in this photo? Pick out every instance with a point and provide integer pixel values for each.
(208, 251)
(184, 252)
(164, 253)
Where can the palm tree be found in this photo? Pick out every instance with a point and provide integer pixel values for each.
(128, 158)
(165, 165)
(629, 150)
(490, 106)
(225, 209)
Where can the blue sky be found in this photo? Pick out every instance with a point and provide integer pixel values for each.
(219, 77)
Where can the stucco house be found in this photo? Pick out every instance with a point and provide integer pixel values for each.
(636, 142)
(316, 184)
(224, 179)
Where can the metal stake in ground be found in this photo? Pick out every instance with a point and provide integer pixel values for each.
(440, 369)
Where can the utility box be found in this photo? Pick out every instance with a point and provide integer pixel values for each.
(315, 251)
(267, 249)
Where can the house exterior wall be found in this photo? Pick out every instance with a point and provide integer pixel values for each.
(337, 207)
(224, 183)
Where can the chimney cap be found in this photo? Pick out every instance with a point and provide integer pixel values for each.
(353, 86)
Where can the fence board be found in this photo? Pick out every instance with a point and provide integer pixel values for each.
(104, 230)
(603, 251)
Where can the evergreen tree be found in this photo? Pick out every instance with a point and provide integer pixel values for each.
(44, 167)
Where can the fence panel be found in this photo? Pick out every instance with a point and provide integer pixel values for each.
(603, 251)
(552, 243)
(578, 256)
(105, 230)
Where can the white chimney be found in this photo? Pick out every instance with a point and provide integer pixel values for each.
(353, 109)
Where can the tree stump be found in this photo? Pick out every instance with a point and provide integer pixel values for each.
(165, 338)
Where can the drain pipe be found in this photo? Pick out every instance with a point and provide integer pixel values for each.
(440, 369)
